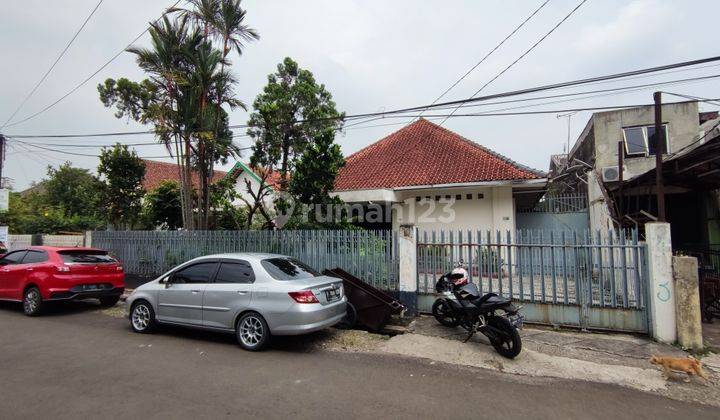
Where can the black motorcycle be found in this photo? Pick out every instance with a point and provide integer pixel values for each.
(494, 316)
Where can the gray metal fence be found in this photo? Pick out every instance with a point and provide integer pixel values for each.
(564, 203)
(369, 255)
(600, 270)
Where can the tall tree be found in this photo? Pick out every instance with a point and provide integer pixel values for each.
(122, 172)
(187, 92)
(292, 112)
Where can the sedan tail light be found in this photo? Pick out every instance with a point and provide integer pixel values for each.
(305, 296)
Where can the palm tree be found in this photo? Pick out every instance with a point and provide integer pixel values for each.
(224, 21)
(164, 63)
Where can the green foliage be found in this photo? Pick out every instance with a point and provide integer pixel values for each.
(74, 190)
(225, 215)
(162, 208)
(292, 111)
(123, 172)
(316, 169)
(66, 201)
(132, 99)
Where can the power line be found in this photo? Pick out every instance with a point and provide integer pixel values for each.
(613, 91)
(62, 53)
(477, 101)
(525, 53)
(44, 146)
(49, 149)
(82, 83)
(482, 60)
(697, 98)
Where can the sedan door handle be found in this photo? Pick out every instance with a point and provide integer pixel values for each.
(195, 292)
(242, 292)
(29, 269)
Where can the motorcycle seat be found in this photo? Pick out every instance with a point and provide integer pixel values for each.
(490, 301)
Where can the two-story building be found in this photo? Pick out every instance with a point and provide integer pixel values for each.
(614, 160)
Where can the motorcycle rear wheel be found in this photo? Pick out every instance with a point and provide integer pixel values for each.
(443, 313)
(509, 344)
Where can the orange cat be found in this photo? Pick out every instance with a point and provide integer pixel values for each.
(689, 365)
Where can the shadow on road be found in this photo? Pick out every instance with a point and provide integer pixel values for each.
(57, 308)
(289, 344)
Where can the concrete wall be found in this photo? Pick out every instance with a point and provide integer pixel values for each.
(494, 211)
(683, 127)
(597, 205)
(662, 287)
(687, 303)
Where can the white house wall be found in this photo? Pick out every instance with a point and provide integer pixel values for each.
(495, 211)
(241, 188)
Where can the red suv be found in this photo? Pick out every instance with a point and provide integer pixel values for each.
(43, 274)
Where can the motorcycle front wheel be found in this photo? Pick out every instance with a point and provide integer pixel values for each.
(507, 343)
(444, 314)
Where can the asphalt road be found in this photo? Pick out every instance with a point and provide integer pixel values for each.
(79, 363)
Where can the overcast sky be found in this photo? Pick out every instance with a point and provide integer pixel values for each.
(371, 55)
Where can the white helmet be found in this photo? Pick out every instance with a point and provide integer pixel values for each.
(461, 280)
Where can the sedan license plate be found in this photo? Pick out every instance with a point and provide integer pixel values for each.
(332, 295)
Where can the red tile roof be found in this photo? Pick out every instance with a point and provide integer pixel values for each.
(424, 153)
(157, 172)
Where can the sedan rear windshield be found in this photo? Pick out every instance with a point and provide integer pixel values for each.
(86, 257)
(288, 269)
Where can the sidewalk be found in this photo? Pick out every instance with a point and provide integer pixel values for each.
(618, 359)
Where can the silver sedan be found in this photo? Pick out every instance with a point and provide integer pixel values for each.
(252, 295)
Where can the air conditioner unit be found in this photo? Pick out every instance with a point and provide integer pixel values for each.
(610, 174)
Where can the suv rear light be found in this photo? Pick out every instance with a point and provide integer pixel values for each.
(63, 269)
(306, 296)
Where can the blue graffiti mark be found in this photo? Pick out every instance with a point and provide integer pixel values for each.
(664, 294)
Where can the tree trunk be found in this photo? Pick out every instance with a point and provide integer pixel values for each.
(181, 177)
(188, 187)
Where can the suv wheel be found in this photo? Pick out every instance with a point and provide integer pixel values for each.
(32, 302)
(142, 317)
(252, 331)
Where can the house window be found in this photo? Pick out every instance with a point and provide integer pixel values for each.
(640, 141)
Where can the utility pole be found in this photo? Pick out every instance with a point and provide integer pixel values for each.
(659, 150)
(2, 157)
(621, 180)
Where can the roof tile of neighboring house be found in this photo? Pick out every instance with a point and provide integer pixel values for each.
(424, 153)
(157, 172)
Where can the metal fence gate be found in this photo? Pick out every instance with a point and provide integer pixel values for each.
(369, 255)
(589, 280)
